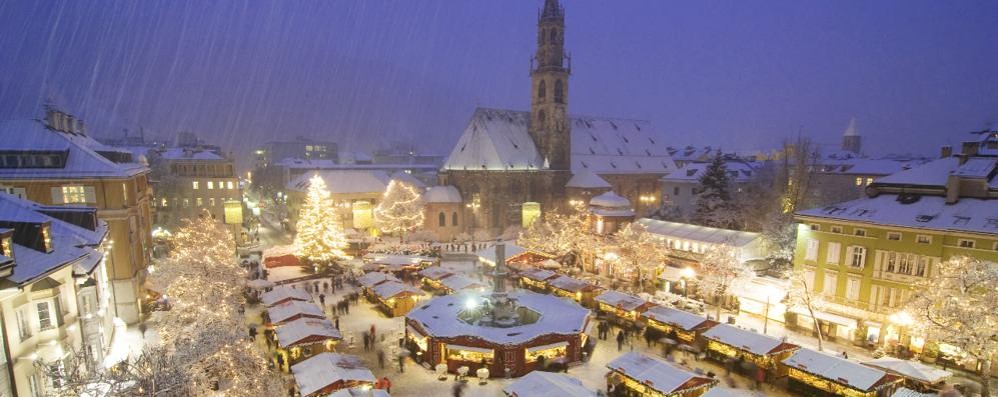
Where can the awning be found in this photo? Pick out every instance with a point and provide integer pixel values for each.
(469, 349)
(546, 347)
(413, 331)
(829, 317)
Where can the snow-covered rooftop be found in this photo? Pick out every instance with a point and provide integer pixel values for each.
(620, 300)
(684, 320)
(391, 289)
(283, 293)
(934, 173)
(738, 171)
(436, 272)
(587, 179)
(288, 310)
(610, 200)
(545, 384)
(439, 317)
(703, 234)
(538, 274)
(746, 340)
(459, 283)
(497, 139)
(327, 369)
(657, 374)
(929, 212)
(909, 369)
(344, 181)
(359, 392)
(838, 369)
(374, 278)
(727, 392)
(179, 153)
(306, 330)
(82, 157)
(488, 254)
(570, 284)
(442, 194)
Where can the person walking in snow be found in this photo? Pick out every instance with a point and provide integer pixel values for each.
(620, 340)
(381, 358)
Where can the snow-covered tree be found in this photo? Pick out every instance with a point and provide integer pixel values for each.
(714, 206)
(801, 293)
(566, 235)
(320, 238)
(640, 252)
(959, 307)
(720, 269)
(400, 210)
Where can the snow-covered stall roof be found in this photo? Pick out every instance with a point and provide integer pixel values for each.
(327, 369)
(498, 139)
(344, 181)
(538, 274)
(906, 392)
(488, 254)
(570, 284)
(283, 293)
(610, 200)
(703, 234)
(557, 316)
(929, 212)
(84, 157)
(909, 369)
(442, 194)
(667, 315)
(746, 340)
(459, 283)
(586, 179)
(436, 273)
(726, 392)
(545, 384)
(621, 300)
(371, 279)
(839, 370)
(392, 289)
(306, 330)
(657, 374)
(288, 310)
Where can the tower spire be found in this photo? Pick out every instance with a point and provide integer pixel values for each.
(551, 9)
(550, 68)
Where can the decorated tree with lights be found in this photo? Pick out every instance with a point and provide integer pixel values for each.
(320, 239)
(400, 210)
(802, 294)
(959, 307)
(720, 269)
(640, 253)
(565, 235)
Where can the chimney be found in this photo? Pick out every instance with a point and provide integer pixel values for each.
(946, 152)
(970, 148)
(953, 187)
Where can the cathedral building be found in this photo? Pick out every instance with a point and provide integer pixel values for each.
(510, 166)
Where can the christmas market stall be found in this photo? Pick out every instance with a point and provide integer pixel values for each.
(545, 384)
(370, 280)
(283, 294)
(432, 275)
(458, 283)
(575, 289)
(280, 256)
(727, 392)
(686, 326)
(642, 375)
(732, 345)
(536, 279)
(624, 308)
(397, 263)
(823, 375)
(363, 391)
(917, 376)
(305, 337)
(395, 298)
(328, 372)
(293, 310)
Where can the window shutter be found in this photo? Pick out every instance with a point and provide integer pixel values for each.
(57, 196)
(91, 196)
(850, 250)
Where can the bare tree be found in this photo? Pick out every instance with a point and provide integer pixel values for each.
(801, 293)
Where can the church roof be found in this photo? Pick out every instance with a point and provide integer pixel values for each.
(587, 180)
(497, 139)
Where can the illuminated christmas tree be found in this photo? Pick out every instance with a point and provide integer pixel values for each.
(400, 210)
(320, 238)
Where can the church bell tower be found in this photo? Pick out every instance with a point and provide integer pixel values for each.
(549, 71)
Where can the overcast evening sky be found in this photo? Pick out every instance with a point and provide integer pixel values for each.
(915, 74)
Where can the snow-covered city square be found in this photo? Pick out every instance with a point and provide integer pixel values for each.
(373, 198)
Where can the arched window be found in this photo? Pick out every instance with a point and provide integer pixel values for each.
(554, 36)
(542, 90)
(453, 218)
(559, 92)
(442, 219)
(540, 117)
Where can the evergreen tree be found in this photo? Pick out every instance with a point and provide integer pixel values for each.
(400, 210)
(714, 205)
(320, 238)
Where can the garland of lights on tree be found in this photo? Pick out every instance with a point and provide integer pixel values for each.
(320, 238)
(400, 210)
